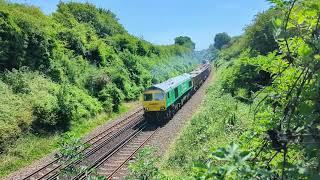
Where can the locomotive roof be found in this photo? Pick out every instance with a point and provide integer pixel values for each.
(171, 83)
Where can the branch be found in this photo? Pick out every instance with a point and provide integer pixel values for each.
(316, 30)
(272, 158)
(286, 26)
(264, 145)
(284, 163)
(295, 83)
(256, 108)
(290, 107)
(276, 77)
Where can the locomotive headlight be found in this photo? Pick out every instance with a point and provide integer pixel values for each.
(146, 109)
(162, 108)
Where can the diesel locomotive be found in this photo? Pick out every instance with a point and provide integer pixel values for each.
(162, 101)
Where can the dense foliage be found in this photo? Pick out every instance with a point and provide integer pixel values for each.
(280, 76)
(221, 40)
(185, 41)
(217, 123)
(79, 61)
(269, 77)
(260, 36)
(145, 165)
(283, 81)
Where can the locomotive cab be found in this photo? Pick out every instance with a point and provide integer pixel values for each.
(154, 100)
(160, 101)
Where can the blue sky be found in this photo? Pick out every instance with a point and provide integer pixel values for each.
(161, 21)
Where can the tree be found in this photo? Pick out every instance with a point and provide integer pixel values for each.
(221, 39)
(260, 33)
(185, 41)
(103, 21)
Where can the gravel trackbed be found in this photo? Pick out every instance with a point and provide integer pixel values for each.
(161, 140)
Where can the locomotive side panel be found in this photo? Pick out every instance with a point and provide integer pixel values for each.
(174, 93)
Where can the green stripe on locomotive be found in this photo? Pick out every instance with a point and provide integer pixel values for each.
(176, 92)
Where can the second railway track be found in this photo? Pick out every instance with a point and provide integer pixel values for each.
(110, 150)
(50, 170)
(111, 163)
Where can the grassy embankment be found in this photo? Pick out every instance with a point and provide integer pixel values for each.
(60, 71)
(220, 120)
(266, 101)
(31, 147)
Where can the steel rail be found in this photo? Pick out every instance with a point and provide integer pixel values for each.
(132, 154)
(111, 152)
(98, 137)
(99, 146)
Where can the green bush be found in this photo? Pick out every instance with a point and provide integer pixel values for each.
(74, 39)
(121, 78)
(96, 82)
(28, 82)
(111, 98)
(230, 163)
(221, 40)
(15, 116)
(260, 34)
(8, 134)
(134, 67)
(38, 92)
(76, 104)
(237, 45)
(221, 119)
(58, 69)
(18, 79)
(45, 114)
(144, 165)
(243, 75)
(108, 103)
(26, 40)
(103, 21)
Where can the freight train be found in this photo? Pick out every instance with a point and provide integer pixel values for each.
(162, 101)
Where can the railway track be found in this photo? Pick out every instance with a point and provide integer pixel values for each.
(50, 170)
(107, 152)
(110, 164)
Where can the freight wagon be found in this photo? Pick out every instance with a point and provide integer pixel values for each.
(162, 101)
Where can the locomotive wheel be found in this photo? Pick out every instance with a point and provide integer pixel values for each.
(171, 114)
(167, 115)
(158, 117)
(147, 116)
